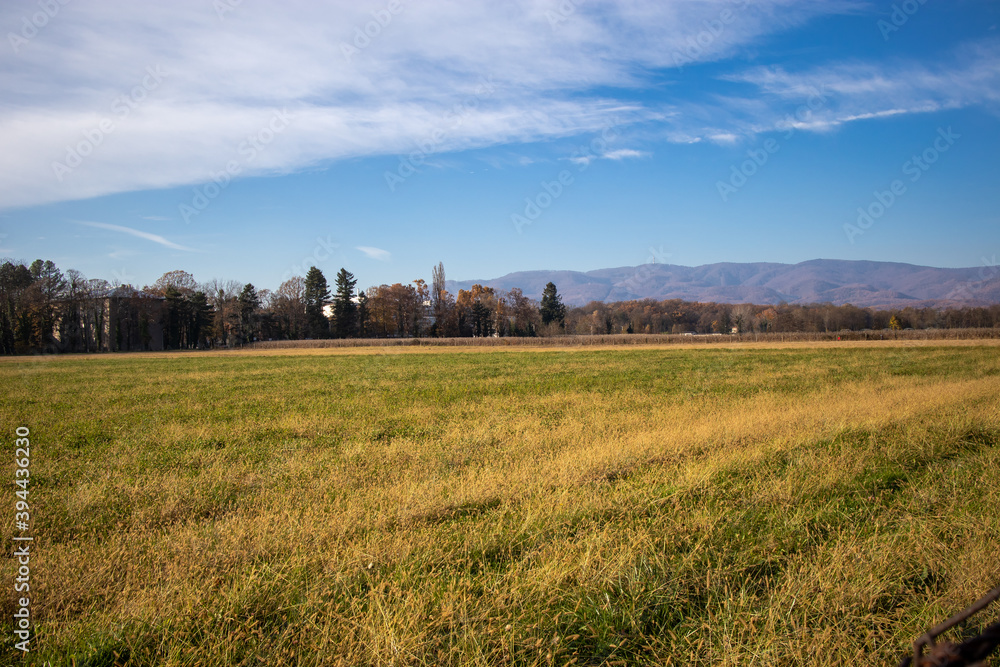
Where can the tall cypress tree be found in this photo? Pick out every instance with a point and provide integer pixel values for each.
(317, 295)
(552, 309)
(249, 304)
(345, 311)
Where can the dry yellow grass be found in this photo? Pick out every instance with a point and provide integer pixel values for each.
(777, 505)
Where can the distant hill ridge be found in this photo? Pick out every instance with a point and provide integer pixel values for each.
(861, 283)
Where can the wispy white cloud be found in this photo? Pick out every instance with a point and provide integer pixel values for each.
(823, 98)
(446, 75)
(375, 253)
(724, 138)
(155, 238)
(617, 154)
(622, 153)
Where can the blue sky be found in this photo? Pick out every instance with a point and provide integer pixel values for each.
(495, 136)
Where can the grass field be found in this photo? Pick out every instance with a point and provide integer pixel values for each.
(727, 505)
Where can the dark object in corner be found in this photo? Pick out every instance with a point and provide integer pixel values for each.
(969, 653)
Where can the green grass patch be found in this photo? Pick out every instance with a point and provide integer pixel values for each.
(505, 507)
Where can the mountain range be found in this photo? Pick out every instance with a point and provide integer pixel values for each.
(861, 283)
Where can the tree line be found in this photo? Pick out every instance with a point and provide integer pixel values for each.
(649, 316)
(43, 309)
(418, 309)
